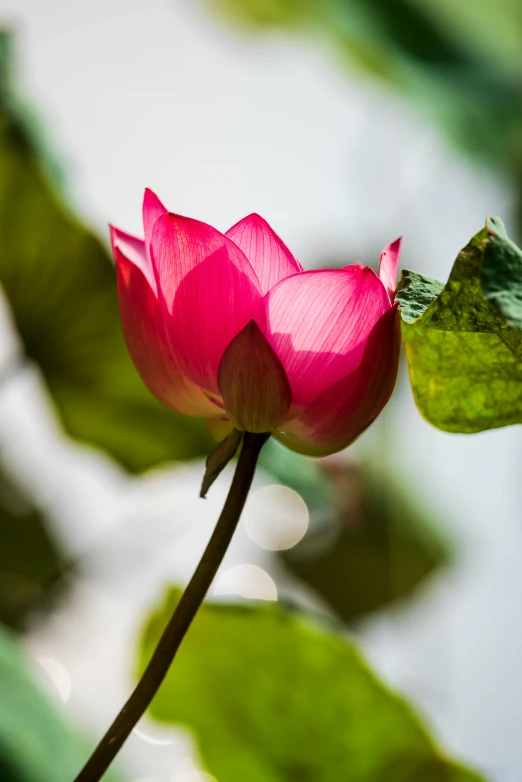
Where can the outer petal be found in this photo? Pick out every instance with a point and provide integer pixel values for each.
(342, 412)
(318, 324)
(255, 389)
(388, 267)
(134, 250)
(147, 341)
(269, 256)
(208, 290)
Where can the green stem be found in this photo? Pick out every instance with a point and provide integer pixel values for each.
(182, 617)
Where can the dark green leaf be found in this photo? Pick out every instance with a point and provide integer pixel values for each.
(274, 697)
(60, 284)
(31, 562)
(377, 549)
(465, 361)
(492, 30)
(502, 273)
(415, 294)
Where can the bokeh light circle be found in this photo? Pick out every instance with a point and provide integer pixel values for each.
(276, 517)
(248, 581)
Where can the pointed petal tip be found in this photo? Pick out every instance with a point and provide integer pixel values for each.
(152, 210)
(257, 218)
(152, 202)
(267, 253)
(396, 244)
(392, 249)
(128, 249)
(389, 262)
(253, 216)
(150, 197)
(251, 327)
(113, 235)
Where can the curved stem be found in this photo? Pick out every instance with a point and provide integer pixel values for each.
(182, 617)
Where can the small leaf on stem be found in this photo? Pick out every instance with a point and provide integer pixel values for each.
(218, 459)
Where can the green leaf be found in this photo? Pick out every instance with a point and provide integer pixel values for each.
(416, 294)
(60, 284)
(493, 31)
(274, 697)
(31, 562)
(502, 273)
(378, 548)
(465, 360)
(35, 743)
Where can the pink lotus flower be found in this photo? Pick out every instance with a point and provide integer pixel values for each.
(229, 326)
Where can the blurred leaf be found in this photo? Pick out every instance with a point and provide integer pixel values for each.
(464, 358)
(31, 563)
(379, 547)
(274, 697)
(23, 115)
(60, 284)
(489, 30)
(268, 13)
(370, 541)
(303, 474)
(35, 743)
(502, 273)
(425, 53)
(33, 739)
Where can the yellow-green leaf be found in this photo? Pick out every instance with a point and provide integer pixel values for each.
(465, 359)
(273, 696)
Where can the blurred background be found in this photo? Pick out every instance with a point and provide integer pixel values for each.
(345, 123)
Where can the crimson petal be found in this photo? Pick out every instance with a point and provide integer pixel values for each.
(209, 292)
(145, 335)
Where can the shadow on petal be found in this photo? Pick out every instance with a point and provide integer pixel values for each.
(341, 413)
